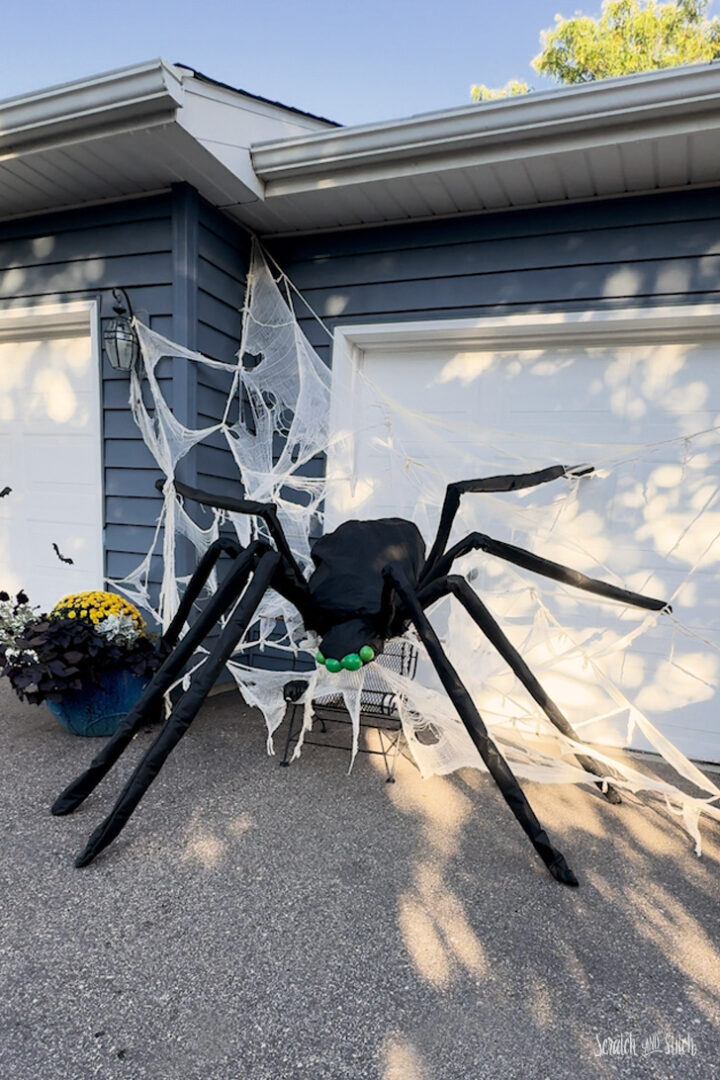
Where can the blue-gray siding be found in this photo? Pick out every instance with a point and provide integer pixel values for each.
(83, 254)
(662, 248)
(183, 266)
(222, 261)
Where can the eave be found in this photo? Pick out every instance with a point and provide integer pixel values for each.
(278, 170)
(640, 133)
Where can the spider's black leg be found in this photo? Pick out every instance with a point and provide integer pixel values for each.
(495, 762)
(196, 585)
(511, 482)
(266, 511)
(184, 712)
(479, 613)
(556, 571)
(227, 593)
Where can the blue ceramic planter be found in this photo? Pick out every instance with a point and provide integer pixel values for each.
(99, 710)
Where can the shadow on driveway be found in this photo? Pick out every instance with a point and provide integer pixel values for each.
(259, 923)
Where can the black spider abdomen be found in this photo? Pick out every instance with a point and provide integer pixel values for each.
(350, 560)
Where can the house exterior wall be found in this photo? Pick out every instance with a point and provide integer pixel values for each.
(182, 264)
(76, 255)
(625, 252)
(222, 260)
(634, 250)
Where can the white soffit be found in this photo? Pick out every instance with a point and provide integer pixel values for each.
(132, 131)
(637, 133)
(277, 169)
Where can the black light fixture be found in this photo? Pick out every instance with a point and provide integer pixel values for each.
(119, 338)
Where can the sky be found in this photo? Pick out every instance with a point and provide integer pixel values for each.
(354, 61)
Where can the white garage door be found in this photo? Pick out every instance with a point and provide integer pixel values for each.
(650, 521)
(50, 460)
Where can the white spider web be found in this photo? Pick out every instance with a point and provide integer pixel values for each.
(664, 496)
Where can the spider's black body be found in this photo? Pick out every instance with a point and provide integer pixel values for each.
(350, 604)
(372, 580)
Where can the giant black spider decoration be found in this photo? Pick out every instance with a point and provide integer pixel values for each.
(372, 581)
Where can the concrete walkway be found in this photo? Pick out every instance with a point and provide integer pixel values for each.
(259, 923)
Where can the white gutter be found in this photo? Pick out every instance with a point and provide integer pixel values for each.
(118, 100)
(685, 98)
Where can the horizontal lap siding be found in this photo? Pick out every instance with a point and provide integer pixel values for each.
(223, 257)
(222, 260)
(645, 249)
(83, 254)
(223, 251)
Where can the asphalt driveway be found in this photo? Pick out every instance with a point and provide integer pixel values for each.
(259, 923)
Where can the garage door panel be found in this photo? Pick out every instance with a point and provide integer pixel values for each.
(47, 583)
(50, 449)
(624, 390)
(647, 519)
(60, 460)
(66, 412)
(54, 503)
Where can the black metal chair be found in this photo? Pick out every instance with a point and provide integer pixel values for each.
(378, 709)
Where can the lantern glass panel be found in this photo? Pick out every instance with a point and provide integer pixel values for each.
(121, 344)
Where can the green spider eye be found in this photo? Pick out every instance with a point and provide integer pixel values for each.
(351, 662)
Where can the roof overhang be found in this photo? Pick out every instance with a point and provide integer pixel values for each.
(637, 133)
(277, 169)
(132, 131)
(577, 117)
(118, 101)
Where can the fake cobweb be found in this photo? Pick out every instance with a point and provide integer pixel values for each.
(648, 519)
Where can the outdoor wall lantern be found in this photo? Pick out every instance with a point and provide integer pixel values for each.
(119, 338)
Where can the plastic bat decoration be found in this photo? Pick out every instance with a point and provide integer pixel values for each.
(61, 557)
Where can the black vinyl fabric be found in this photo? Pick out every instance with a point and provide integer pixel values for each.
(350, 560)
(495, 762)
(539, 565)
(479, 613)
(76, 792)
(488, 484)
(371, 580)
(184, 712)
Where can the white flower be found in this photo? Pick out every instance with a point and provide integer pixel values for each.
(119, 629)
(14, 619)
(21, 657)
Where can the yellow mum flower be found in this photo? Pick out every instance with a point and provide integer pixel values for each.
(96, 605)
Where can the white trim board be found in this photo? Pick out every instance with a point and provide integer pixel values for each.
(54, 318)
(679, 322)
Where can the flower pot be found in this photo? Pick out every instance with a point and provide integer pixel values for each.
(99, 709)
